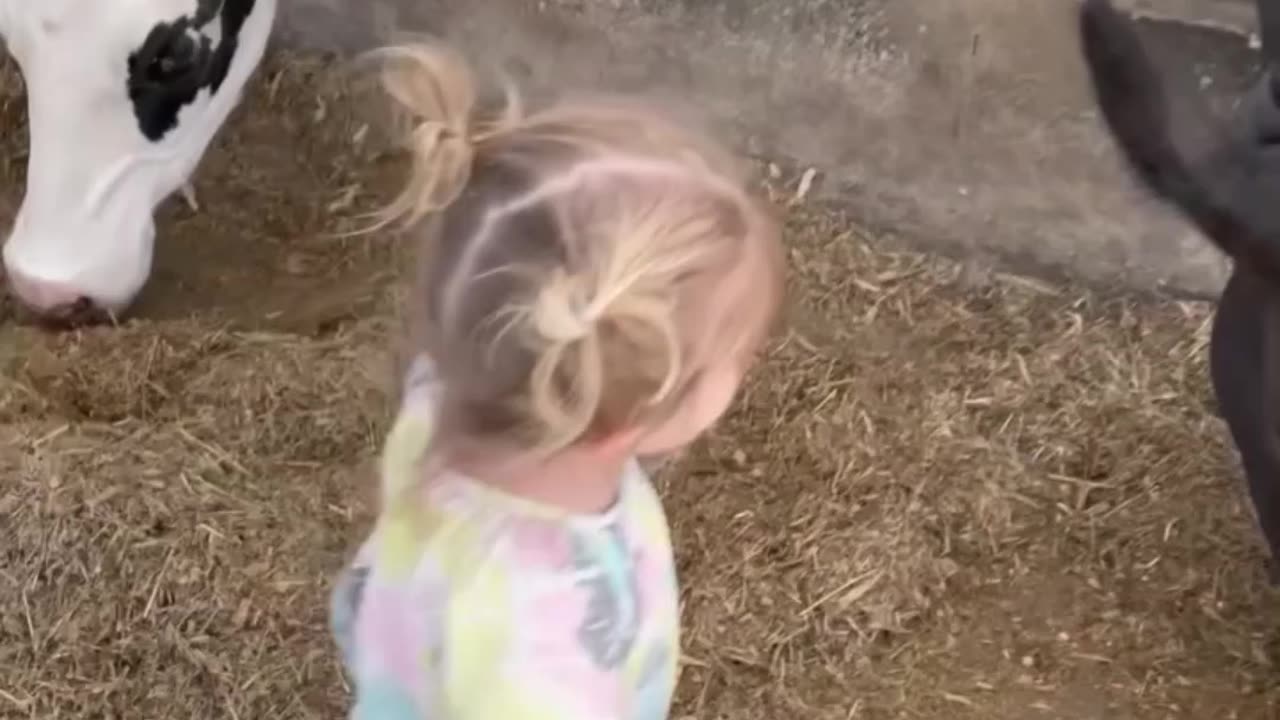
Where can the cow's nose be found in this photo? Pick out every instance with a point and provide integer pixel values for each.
(47, 297)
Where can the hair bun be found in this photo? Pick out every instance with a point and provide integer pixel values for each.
(434, 87)
(561, 313)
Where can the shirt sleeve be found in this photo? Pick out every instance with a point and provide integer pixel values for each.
(398, 635)
(399, 632)
(387, 701)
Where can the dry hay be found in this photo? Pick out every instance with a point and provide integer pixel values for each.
(940, 496)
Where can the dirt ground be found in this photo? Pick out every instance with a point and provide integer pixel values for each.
(945, 494)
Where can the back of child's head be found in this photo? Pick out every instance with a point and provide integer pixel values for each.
(581, 265)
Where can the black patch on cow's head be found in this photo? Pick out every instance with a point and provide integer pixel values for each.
(178, 59)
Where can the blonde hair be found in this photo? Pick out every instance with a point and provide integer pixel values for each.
(575, 260)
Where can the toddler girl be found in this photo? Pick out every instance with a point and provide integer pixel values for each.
(594, 284)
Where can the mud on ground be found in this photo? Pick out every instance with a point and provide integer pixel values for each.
(943, 495)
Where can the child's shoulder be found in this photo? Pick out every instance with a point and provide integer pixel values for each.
(434, 540)
(643, 504)
(454, 538)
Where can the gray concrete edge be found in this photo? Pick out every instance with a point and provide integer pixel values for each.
(962, 126)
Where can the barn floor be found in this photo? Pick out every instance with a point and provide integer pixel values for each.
(942, 496)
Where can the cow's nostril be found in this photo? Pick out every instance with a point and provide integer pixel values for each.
(80, 312)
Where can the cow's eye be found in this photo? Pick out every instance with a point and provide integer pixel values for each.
(169, 55)
(166, 73)
(173, 59)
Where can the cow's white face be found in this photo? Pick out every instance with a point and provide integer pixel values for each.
(123, 97)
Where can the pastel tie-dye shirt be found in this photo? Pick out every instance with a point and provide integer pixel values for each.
(469, 604)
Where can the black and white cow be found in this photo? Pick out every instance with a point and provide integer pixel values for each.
(1224, 178)
(123, 98)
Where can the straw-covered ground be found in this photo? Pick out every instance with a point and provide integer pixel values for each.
(943, 495)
